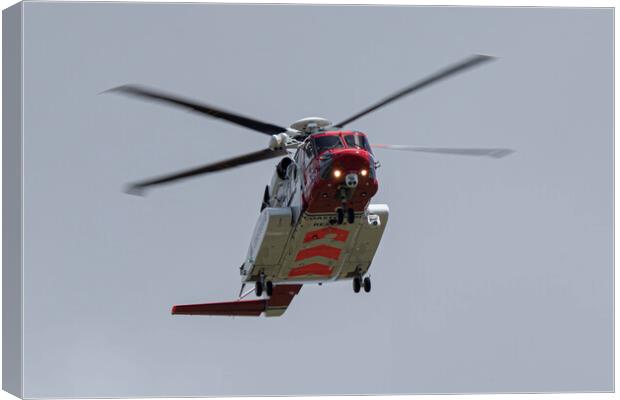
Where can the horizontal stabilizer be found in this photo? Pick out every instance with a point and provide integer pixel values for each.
(252, 308)
(272, 307)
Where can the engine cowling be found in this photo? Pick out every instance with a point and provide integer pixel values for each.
(278, 141)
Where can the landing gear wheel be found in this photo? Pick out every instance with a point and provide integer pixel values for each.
(367, 284)
(259, 288)
(340, 216)
(357, 284)
(350, 215)
(269, 288)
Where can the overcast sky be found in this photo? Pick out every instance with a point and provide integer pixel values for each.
(492, 275)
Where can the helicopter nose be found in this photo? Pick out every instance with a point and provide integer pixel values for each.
(350, 168)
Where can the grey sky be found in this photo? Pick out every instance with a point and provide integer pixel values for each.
(493, 275)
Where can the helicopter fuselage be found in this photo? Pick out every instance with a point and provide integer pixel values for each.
(316, 222)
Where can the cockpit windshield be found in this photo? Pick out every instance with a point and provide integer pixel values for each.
(327, 142)
(357, 141)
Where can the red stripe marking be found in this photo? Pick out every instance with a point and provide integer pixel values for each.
(340, 235)
(311, 269)
(319, 251)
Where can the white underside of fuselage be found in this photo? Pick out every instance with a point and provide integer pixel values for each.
(312, 248)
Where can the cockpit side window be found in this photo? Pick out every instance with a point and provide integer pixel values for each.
(357, 141)
(328, 142)
(309, 148)
(298, 157)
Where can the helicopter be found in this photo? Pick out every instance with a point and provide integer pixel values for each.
(316, 222)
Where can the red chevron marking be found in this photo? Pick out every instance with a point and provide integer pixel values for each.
(319, 251)
(311, 269)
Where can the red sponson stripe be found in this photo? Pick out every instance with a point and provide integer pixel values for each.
(340, 235)
(319, 251)
(311, 269)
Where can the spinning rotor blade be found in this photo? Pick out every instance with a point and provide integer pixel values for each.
(155, 95)
(456, 68)
(495, 153)
(139, 187)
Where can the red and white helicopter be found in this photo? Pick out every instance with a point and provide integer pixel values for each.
(316, 223)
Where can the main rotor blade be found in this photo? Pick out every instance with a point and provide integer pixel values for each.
(444, 73)
(155, 95)
(139, 187)
(481, 152)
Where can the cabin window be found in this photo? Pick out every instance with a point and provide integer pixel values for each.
(328, 142)
(357, 141)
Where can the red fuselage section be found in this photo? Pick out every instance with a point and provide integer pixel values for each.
(338, 170)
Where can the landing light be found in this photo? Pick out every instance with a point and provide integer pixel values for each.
(364, 172)
(337, 173)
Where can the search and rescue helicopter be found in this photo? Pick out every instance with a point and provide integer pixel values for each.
(316, 223)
